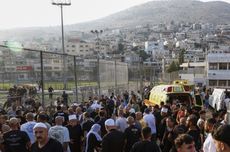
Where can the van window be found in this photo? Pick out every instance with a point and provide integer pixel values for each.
(199, 101)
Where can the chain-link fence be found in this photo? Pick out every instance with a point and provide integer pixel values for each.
(43, 76)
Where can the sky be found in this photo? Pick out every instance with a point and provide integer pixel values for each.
(34, 13)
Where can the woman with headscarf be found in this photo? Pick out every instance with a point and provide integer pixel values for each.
(93, 139)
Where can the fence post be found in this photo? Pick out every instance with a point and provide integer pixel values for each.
(116, 91)
(75, 76)
(98, 76)
(42, 78)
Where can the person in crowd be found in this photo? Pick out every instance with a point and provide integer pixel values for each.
(87, 123)
(149, 118)
(139, 122)
(185, 143)
(182, 124)
(194, 131)
(162, 125)
(114, 140)
(101, 122)
(60, 112)
(93, 139)
(75, 134)
(201, 122)
(132, 134)
(121, 121)
(79, 114)
(168, 138)
(43, 118)
(60, 133)
(15, 140)
(145, 145)
(28, 126)
(209, 145)
(221, 138)
(50, 90)
(65, 98)
(43, 142)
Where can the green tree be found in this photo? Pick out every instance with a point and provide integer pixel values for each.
(174, 66)
(143, 54)
(181, 56)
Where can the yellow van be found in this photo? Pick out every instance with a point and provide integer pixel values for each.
(168, 93)
(190, 88)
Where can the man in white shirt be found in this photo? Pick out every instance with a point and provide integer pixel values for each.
(28, 126)
(149, 118)
(121, 122)
(209, 145)
(60, 133)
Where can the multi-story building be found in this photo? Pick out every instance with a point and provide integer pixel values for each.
(194, 56)
(194, 72)
(78, 47)
(218, 70)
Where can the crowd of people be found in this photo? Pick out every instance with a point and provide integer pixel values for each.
(121, 123)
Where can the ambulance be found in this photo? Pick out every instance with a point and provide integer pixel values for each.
(169, 93)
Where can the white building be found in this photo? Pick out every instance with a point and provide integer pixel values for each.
(155, 48)
(194, 72)
(218, 70)
(78, 47)
(194, 56)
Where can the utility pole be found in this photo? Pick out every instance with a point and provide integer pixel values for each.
(97, 32)
(62, 3)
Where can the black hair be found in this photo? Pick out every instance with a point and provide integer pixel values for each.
(58, 107)
(146, 132)
(211, 121)
(183, 139)
(193, 119)
(222, 133)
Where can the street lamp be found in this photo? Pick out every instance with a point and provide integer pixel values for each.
(62, 3)
(97, 32)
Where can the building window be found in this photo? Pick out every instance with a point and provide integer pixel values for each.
(73, 46)
(21, 76)
(222, 82)
(228, 66)
(212, 82)
(47, 68)
(213, 66)
(228, 82)
(223, 66)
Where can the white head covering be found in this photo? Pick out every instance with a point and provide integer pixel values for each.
(164, 110)
(40, 125)
(109, 122)
(94, 130)
(72, 117)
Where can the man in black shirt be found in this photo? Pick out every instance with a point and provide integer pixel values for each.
(194, 131)
(114, 140)
(75, 133)
(101, 122)
(132, 134)
(16, 140)
(60, 112)
(43, 143)
(145, 145)
(50, 90)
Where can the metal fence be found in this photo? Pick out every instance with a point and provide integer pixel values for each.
(79, 77)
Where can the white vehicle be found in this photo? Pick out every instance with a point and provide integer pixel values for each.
(216, 100)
